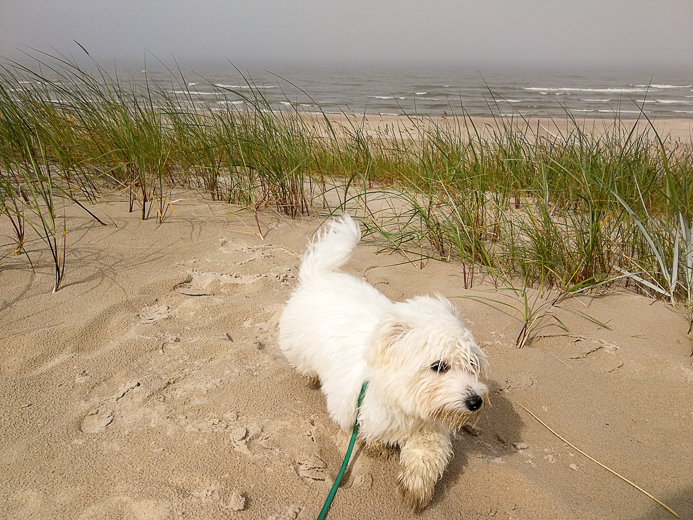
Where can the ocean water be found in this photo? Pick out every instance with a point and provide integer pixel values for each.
(432, 91)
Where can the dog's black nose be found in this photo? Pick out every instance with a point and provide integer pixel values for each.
(473, 402)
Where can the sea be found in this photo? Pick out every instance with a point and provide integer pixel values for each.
(428, 91)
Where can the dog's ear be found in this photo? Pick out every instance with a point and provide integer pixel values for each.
(483, 364)
(387, 335)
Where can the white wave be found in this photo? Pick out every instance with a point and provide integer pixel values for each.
(388, 97)
(574, 89)
(666, 101)
(617, 111)
(193, 92)
(593, 100)
(202, 94)
(664, 86)
(226, 102)
(243, 87)
(420, 93)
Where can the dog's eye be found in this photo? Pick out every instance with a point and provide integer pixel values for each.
(440, 366)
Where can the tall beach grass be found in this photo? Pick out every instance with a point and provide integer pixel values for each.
(569, 210)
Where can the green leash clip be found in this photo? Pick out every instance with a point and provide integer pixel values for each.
(333, 491)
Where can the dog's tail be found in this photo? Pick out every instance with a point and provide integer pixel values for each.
(332, 248)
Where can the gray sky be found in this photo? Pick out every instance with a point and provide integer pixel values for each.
(466, 32)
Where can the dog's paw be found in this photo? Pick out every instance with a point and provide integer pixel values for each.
(414, 492)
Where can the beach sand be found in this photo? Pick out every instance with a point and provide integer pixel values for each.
(151, 386)
(386, 126)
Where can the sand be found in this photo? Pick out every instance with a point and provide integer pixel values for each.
(151, 386)
(387, 126)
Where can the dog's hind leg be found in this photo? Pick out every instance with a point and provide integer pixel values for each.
(424, 458)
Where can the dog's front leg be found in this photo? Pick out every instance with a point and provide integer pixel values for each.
(424, 458)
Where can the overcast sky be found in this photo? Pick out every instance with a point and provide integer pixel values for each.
(648, 33)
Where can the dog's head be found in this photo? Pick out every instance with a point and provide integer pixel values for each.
(428, 362)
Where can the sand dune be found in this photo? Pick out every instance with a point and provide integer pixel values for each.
(151, 386)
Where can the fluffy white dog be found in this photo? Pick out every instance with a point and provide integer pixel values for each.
(422, 365)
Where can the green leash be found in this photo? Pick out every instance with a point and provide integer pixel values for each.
(333, 491)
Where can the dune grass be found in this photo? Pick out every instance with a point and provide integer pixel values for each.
(568, 211)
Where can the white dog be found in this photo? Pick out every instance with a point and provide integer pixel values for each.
(421, 363)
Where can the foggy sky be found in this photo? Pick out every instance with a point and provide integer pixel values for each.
(645, 33)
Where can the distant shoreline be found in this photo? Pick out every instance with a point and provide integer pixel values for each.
(409, 126)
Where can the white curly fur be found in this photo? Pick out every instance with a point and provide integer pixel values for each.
(423, 366)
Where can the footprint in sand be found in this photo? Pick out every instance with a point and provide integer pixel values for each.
(311, 467)
(97, 420)
(154, 313)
